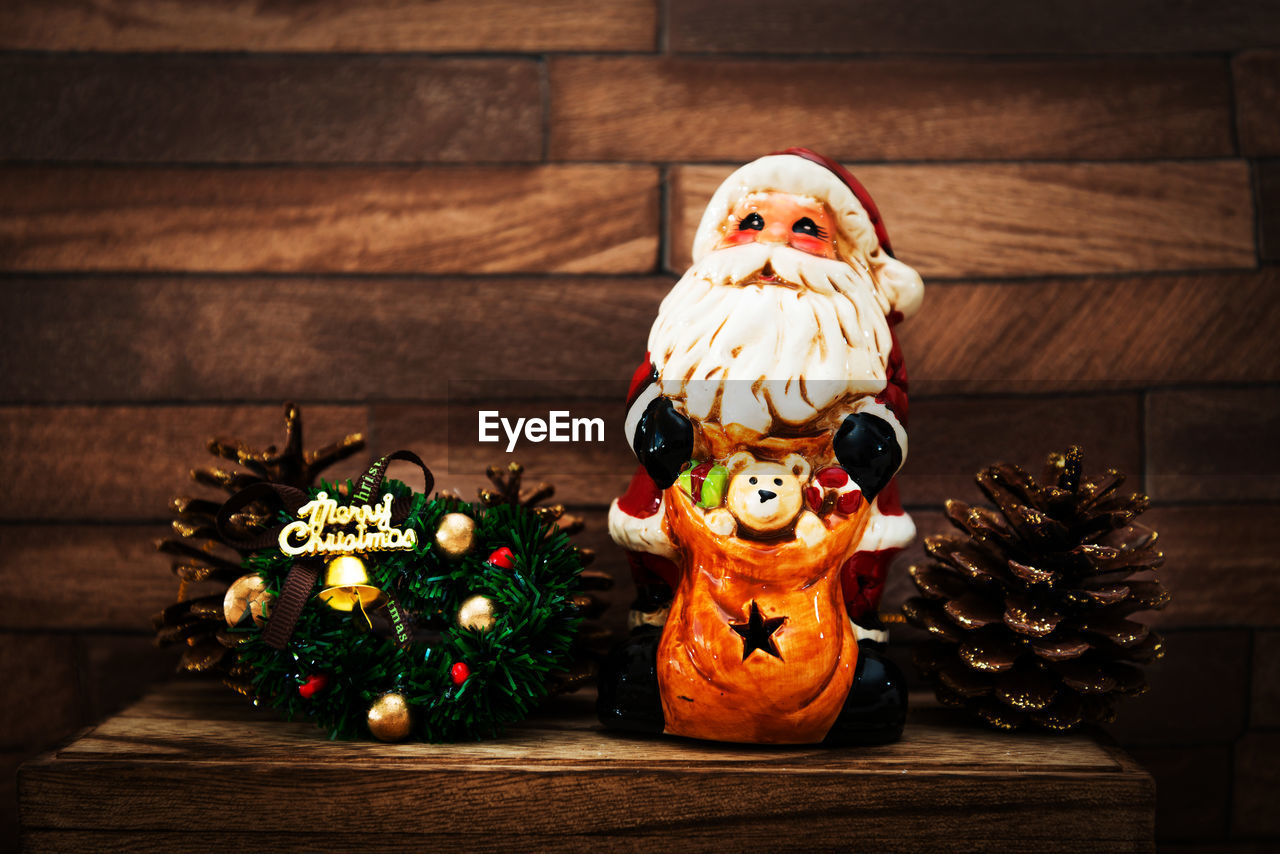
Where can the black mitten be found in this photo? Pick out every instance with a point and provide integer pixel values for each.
(867, 448)
(663, 441)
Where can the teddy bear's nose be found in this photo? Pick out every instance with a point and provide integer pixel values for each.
(765, 495)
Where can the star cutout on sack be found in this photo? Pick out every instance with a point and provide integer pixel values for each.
(757, 633)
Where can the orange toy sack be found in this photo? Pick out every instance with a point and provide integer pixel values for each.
(758, 646)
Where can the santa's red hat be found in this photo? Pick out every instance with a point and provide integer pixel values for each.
(805, 173)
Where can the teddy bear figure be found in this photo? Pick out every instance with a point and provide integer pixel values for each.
(765, 498)
(768, 418)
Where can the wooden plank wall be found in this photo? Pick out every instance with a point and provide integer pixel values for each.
(207, 207)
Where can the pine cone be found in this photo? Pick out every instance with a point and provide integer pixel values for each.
(202, 556)
(1029, 609)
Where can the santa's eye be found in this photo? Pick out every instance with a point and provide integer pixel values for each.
(777, 481)
(804, 225)
(753, 480)
(751, 222)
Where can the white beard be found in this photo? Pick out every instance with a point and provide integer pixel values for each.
(770, 356)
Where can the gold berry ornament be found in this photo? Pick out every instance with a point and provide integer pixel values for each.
(248, 594)
(389, 718)
(456, 534)
(477, 614)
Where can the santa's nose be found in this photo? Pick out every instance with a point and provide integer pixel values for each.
(765, 495)
(774, 232)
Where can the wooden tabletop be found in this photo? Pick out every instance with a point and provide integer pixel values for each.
(193, 767)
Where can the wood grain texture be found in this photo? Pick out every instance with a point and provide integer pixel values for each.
(330, 25)
(1268, 184)
(92, 577)
(952, 439)
(125, 463)
(1257, 86)
(1027, 219)
(1264, 710)
(1105, 332)
(1173, 710)
(188, 721)
(117, 669)
(117, 463)
(1257, 785)
(1219, 564)
(1002, 26)
(645, 108)
(568, 219)
(936, 787)
(248, 109)
(151, 842)
(1213, 445)
(9, 827)
(196, 339)
(1193, 786)
(41, 669)
(208, 339)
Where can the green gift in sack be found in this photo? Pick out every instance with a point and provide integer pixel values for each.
(704, 483)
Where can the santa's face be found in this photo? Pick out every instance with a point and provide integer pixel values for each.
(782, 219)
(774, 329)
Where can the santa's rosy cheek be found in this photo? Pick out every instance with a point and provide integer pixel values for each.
(812, 245)
(737, 238)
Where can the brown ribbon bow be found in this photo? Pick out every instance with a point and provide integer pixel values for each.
(302, 576)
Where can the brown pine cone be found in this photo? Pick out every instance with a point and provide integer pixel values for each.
(201, 554)
(1029, 609)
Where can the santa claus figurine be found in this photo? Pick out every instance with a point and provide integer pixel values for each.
(769, 420)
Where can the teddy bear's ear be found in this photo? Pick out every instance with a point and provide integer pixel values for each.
(799, 466)
(738, 462)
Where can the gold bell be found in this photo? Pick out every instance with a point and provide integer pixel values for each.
(346, 584)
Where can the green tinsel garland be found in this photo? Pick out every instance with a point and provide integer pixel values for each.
(510, 664)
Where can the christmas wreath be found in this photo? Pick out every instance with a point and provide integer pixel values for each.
(372, 608)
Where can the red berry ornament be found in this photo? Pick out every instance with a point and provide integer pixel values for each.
(849, 502)
(833, 489)
(314, 685)
(460, 673)
(833, 477)
(503, 558)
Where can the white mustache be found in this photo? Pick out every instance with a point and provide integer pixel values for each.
(736, 265)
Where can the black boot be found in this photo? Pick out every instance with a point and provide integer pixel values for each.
(876, 707)
(629, 697)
